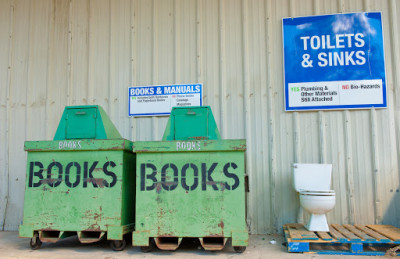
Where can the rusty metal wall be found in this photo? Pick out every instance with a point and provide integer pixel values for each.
(74, 52)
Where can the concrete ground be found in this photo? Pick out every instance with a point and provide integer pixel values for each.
(260, 246)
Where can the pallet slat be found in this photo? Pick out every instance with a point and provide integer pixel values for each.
(389, 231)
(346, 233)
(298, 232)
(324, 236)
(372, 233)
(359, 233)
(336, 234)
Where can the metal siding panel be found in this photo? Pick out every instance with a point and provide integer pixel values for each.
(99, 53)
(361, 144)
(164, 60)
(143, 58)
(256, 99)
(185, 41)
(17, 114)
(222, 68)
(234, 77)
(6, 16)
(270, 161)
(389, 120)
(35, 101)
(286, 199)
(81, 52)
(120, 64)
(210, 55)
(337, 128)
(37, 70)
(58, 66)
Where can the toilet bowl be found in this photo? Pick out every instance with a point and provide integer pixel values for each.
(317, 204)
(313, 181)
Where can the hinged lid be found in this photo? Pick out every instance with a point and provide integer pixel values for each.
(190, 123)
(80, 123)
(86, 122)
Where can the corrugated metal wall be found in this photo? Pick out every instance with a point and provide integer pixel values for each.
(71, 52)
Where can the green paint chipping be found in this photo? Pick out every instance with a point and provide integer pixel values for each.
(82, 182)
(191, 184)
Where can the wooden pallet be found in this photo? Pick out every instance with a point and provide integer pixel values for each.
(343, 239)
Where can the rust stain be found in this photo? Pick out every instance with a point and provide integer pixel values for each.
(142, 150)
(98, 169)
(160, 213)
(158, 188)
(93, 228)
(49, 180)
(167, 235)
(170, 183)
(221, 224)
(199, 138)
(100, 182)
(97, 216)
(241, 147)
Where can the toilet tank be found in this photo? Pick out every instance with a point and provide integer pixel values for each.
(312, 177)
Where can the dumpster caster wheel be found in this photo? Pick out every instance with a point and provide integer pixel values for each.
(239, 249)
(35, 242)
(118, 245)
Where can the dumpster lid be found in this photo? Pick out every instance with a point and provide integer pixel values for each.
(86, 122)
(189, 123)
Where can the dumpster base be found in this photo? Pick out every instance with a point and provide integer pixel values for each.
(85, 236)
(213, 243)
(171, 243)
(168, 243)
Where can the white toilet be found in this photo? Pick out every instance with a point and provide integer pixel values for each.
(313, 182)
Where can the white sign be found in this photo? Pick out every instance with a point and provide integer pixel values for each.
(159, 100)
(335, 93)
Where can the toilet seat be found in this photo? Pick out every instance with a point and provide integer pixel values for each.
(318, 193)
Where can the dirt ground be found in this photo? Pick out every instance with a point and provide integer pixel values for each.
(260, 246)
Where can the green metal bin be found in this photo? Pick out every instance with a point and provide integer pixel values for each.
(81, 183)
(191, 184)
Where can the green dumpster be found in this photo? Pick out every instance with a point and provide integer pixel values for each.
(81, 183)
(191, 184)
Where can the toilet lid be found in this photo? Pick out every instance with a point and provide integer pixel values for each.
(320, 193)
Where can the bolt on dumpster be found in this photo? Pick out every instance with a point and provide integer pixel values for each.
(190, 184)
(81, 183)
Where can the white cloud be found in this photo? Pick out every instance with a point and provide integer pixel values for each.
(344, 23)
(303, 26)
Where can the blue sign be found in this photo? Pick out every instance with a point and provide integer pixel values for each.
(158, 100)
(334, 62)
